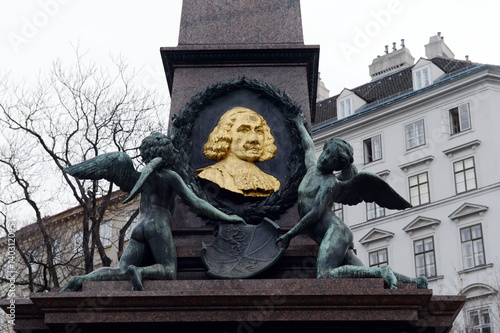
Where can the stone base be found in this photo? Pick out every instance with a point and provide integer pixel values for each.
(287, 305)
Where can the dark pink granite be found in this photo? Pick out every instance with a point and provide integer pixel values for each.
(353, 305)
(190, 80)
(222, 40)
(240, 22)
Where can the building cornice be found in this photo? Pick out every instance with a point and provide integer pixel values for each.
(472, 144)
(376, 235)
(421, 222)
(427, 160)
(467, 209)
(407, 100)
(185, 56)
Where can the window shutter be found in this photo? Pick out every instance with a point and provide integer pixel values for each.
(377, 147)
(445, 122)
(463, 112)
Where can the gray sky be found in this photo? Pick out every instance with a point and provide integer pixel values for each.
(34, 33)
(351, 33)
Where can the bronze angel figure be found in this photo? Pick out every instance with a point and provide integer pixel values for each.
(317, 192)
(151, 252)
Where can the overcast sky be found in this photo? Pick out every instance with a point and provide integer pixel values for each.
(34, 33)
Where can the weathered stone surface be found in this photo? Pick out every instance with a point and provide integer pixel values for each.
(240, 22)
(278, 305)
(265, 44)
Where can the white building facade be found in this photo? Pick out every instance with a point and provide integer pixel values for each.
(429, 129)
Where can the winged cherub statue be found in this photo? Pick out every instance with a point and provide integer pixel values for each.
(151, 252)
(317, 192)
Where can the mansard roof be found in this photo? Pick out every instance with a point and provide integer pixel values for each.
(391, 87)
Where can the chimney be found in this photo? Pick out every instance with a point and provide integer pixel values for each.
(391, 62)
(322, 92)
(437, 48)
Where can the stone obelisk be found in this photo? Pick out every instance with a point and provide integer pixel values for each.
(222, 40)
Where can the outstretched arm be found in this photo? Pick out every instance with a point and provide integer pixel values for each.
(200, 205)
(307, 143)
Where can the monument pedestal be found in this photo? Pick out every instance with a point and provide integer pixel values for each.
(277, 305)
(220, 41)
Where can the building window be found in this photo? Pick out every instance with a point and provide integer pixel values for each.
(338, 210)
(345, 108)
(419, 189)
(425, 259)
(460, 119)
(472, 246)
(372, 149)
(378, 258)
(422, 77)
(479, 321)
(465, 175)
(105, 233)
(414, 134)
(374, 211)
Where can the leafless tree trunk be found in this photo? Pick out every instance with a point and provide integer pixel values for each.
(70, 116)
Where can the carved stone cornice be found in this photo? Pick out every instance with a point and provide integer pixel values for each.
(245, 55)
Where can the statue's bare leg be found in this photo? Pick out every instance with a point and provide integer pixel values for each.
(352, 259)
(153, 272)
(159, 237)
(421, 281)
(132, 255)
(134, 273)
(387, 274)
(164, 253)
(348, 271)
(101, 274)
(333, 249)
(74, 284)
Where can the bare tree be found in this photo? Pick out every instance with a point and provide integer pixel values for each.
(34, 270)
(73, 114)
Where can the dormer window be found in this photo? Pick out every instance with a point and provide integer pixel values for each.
(345, 108)
(421, 78)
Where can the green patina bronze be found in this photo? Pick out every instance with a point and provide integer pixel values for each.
(151, 252)
(319, 189)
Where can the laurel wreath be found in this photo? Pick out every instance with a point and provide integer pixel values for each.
(277, 203)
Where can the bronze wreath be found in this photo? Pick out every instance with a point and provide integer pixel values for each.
(277, 203)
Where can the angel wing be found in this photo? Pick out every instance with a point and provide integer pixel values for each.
(145, 173)
(369, 187)
(115, 167)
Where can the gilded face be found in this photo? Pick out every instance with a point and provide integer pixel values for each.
(247, 138)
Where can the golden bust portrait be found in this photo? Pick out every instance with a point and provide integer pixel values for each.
(240, 138)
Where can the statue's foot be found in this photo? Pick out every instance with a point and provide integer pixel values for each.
(135, 277)
(74, 284)
(422, 282)
(389, 278)
(171, 273)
